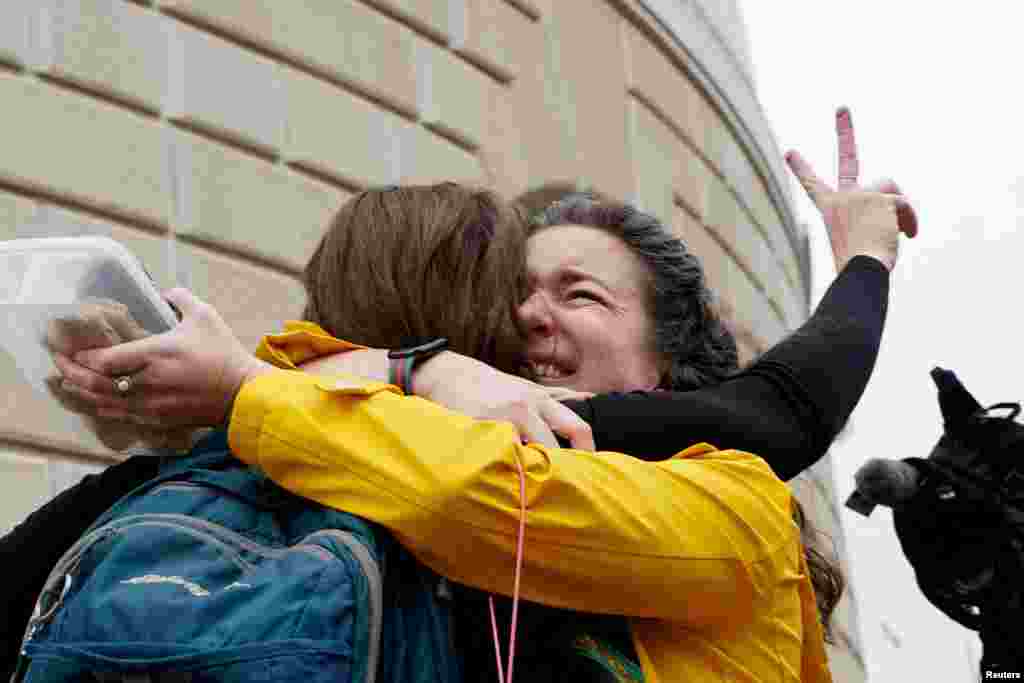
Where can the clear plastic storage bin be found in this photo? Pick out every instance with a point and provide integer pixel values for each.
(49, 278)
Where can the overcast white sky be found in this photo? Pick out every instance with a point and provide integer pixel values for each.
(936, 95)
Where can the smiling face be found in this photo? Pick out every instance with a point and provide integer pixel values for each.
(586, 318)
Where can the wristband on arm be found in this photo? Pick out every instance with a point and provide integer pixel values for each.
(401, 362)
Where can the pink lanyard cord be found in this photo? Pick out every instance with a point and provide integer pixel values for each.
(515, 590)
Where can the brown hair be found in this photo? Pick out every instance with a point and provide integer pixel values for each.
(404, 263)
(826, 574)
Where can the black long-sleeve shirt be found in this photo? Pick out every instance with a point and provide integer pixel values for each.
(787, 407)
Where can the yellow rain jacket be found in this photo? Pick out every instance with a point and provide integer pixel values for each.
(701, 551)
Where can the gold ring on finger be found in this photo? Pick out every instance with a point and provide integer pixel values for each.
(124, 384)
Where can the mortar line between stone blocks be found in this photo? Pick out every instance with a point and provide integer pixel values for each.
(40, 445)
(45, 195)
(241, 253)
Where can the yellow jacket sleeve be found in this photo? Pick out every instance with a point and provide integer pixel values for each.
(704, 538)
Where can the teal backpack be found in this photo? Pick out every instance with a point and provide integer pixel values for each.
(211, 572)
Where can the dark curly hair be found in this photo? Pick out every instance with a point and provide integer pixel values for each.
(688, 334)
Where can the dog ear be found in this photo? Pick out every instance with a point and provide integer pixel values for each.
(956, 403)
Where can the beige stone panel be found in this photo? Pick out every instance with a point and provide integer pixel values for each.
(254, 301)
(22, 22)
(62, 143)
(429, 158)
(737, 169)
(15, 210)
(752, 306)
(593, 66)
(769, 220)
(531, 122)
(111, 46)
(453, 95)
(699, 242)
(785, 255)
(698, 116)
(345, 38)
(221, 87)
(694, 181)
(658, 79)
(429, 16)
(377, 52)
(715, 263)
(656, 162)
(717, 137)
(765, 213)
(732, 225)
(705, 128)
(648, 71)
(748, 306)
(25, 486)
(722, 209)
(244, 202)
(740, 174)
(504, 158)
(495, 34)
(752, 248)
(340, 134)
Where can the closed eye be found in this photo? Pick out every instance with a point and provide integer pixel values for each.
(583, 294)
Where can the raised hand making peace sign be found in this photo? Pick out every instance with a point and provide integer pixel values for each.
(860, 220)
